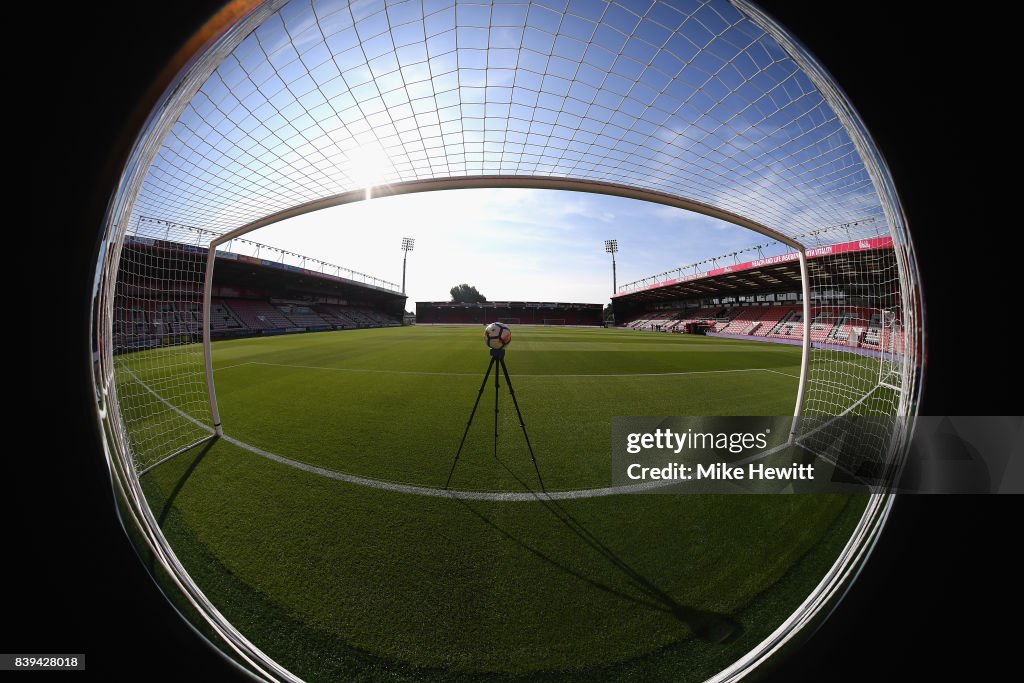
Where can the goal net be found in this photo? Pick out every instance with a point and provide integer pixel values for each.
(890, 343)
(157, 324)
(707, 106)
(856, 362)
(554, 321)
(212, 161)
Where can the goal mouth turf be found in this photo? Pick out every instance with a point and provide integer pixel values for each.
(337, 579)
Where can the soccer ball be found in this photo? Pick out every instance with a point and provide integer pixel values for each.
(497, 335)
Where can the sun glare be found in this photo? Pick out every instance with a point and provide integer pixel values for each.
(368, 165)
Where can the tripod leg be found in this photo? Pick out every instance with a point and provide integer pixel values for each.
(522, 424)
(496, 387)
(470, 421)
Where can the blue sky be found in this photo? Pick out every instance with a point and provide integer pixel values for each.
(510, 243)
(688, 99)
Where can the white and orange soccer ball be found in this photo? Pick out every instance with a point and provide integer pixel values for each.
(497, 335)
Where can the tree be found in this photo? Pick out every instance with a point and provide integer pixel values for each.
(467, 294)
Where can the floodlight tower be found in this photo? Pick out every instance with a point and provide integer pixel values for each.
(407, 245)
(612, 246)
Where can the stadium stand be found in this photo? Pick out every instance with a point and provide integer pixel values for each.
(222, 318)
(360, 317)
(300, 314)
(761, 299)
(512, 312)
(654, 322)
(259, 315)
(336, 316)
(250, 297)
(843, 326)
(823, 323)
(772, 317)
(745, 321)
(378, 319)
(238, 317)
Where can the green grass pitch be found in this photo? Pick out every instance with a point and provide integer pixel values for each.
(342, 581)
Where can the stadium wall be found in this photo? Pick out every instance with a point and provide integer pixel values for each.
(521, 313)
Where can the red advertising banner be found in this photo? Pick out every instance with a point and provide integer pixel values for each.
(818, 252)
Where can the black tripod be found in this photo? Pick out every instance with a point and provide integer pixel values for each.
(497, 358)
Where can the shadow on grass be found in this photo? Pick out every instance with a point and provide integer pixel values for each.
(708, 626)
(169, 502)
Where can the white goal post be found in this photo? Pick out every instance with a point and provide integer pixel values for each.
(891, 353)
(531, 182)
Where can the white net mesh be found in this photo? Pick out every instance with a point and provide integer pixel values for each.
(855, 314)
(691, 99)
(857, 362)
(161, 385)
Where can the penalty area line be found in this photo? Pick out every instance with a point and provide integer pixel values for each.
(435, 492)
(430, 491)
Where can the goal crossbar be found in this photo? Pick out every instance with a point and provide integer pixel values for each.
(502, 181)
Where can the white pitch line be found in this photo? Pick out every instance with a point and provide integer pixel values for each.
(434, 492)
(236, 365)
(473, 374)
(502, 496)
(779, 373)
(167, 403)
